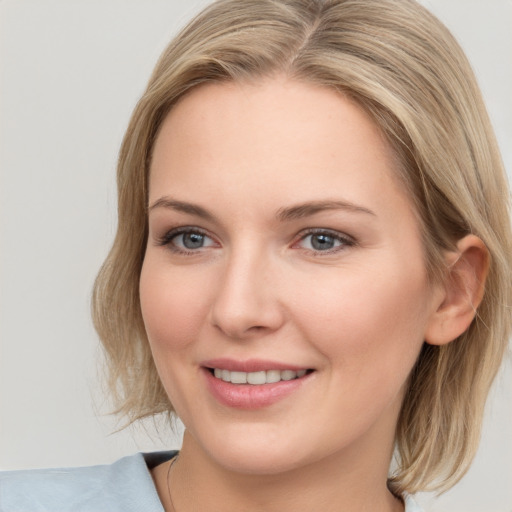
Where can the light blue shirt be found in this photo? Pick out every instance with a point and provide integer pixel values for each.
(125, 486)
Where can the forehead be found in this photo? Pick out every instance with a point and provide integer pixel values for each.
(309, 139)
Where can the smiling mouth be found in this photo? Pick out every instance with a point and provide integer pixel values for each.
(257, 378)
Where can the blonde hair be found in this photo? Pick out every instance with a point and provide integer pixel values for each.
(405, 69)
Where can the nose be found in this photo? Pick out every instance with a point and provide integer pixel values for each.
(246, 304)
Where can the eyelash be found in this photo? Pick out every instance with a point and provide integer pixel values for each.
(344, 240)
(167, 239)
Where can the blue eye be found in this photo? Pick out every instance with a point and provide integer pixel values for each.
(185, 240)
(325, 241)
(190, 240)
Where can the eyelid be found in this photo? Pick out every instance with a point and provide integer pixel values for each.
(346, 240)
(167, 238)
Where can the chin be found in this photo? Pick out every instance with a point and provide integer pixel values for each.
(256, 461)
(259, 451)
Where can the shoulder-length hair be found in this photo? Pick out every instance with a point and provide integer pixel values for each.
(404, 68)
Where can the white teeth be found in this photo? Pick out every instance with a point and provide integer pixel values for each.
(239, 377)
(288, 375)
(257, 378)
(273, 375)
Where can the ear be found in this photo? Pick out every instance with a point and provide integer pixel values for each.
(461, 293)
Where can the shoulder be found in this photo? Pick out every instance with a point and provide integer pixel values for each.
(125, 485)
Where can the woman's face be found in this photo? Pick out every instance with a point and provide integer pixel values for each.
(281, 246)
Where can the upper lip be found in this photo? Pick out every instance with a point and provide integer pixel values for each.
(249, 365)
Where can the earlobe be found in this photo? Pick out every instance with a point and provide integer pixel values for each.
(463, 291)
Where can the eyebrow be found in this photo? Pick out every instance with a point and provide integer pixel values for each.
(310, 208)
(283, 214)
(181, 206)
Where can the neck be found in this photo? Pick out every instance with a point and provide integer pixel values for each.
(332, 483)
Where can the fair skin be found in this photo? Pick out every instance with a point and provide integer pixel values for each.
(281, 239)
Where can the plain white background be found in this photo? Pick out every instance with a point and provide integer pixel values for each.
(70, 74)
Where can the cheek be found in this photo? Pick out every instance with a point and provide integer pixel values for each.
(366, 319)
(171, 305)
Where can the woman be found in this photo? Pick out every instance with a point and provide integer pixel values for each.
(306, 269)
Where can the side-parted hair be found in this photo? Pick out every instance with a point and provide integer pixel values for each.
(404, 68)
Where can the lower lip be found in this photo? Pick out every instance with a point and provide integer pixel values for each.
(249, 396)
